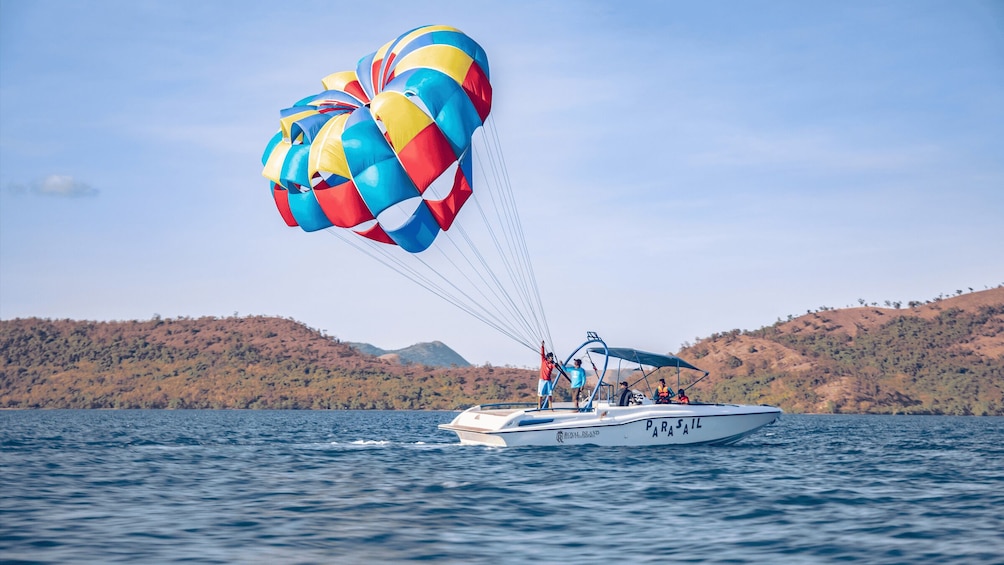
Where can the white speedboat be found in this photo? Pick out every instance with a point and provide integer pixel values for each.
(602, 421)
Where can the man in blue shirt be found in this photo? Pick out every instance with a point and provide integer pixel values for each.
(577, 375)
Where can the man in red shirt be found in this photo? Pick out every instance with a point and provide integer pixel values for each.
(545, 385)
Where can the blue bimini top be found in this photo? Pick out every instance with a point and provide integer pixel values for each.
(645, 358)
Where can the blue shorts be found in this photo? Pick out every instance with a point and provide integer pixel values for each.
(544, 387)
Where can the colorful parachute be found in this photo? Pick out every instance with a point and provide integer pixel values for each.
(386, 152)
(378, 137)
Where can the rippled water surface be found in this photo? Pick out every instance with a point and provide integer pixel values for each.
(354, 487)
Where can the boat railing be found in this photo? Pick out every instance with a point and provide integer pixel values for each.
(606, 393)
(504, 405)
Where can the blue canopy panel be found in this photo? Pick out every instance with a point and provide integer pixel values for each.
(645, 358)
(306, 128)
(271, 145)
(446, 101)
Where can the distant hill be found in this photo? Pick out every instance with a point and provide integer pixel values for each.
(941, 357)
(251, 362)
(433, 354)
(945, 356)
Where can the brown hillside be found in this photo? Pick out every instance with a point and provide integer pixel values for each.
(945, 356)
(942, 357)
(252, 362)
(853, 320)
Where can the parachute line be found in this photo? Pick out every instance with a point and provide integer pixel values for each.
(486, 273)
(383, 256)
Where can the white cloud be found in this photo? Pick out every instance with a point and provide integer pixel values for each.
(63, 186)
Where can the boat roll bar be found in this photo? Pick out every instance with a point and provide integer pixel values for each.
(642, 358)
(592, 338)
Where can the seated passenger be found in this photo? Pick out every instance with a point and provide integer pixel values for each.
(662, 393)
(681, 397)
(625, 398)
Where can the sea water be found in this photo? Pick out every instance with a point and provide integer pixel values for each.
(384, 487)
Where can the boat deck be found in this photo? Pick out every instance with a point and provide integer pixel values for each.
(501, 411)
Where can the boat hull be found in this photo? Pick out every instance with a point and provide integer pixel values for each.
(707, 424)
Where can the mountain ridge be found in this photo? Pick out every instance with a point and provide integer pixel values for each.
(940, 357)
(432, 353)
(250, 362)
(945, 356)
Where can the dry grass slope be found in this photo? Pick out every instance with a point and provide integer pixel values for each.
(943, 357)
(251, 362)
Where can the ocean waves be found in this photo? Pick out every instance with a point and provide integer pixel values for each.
(351, 487)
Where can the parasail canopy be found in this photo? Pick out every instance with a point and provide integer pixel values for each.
(386, 152)
(378, 137)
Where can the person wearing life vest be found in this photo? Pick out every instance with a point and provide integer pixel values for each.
(681, 397)
(545, 385)
(662, 393)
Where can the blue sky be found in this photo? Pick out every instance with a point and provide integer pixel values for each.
(681, 168)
